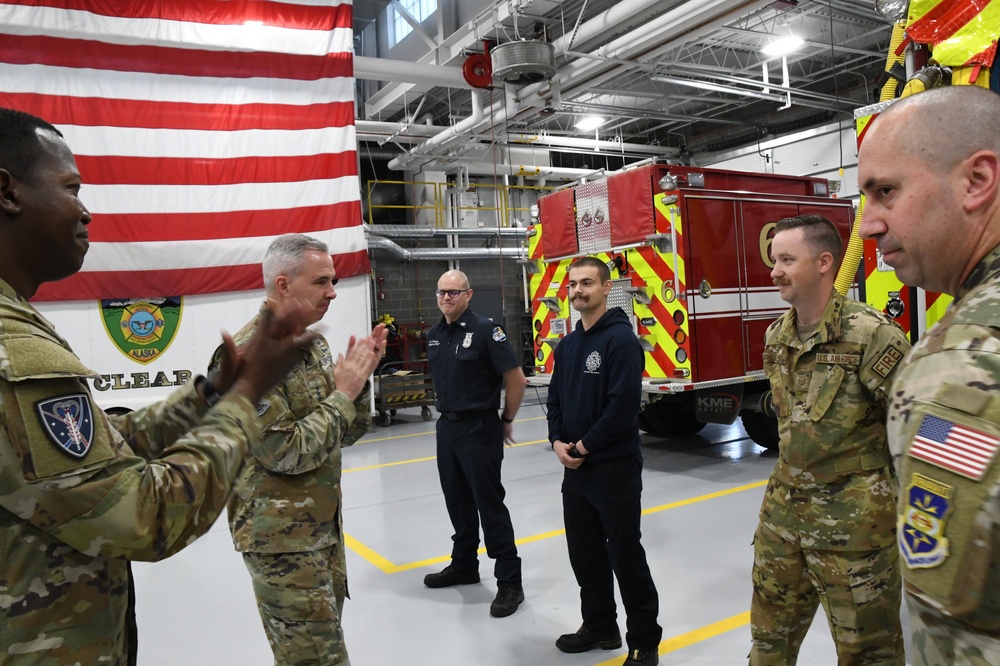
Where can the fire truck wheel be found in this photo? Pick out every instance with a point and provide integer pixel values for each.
(384, 419)
(763, 430)
(665, 419)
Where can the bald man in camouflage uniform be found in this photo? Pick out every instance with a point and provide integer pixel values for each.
(82, 493)
(827, 523)
(930, 170)
(285, 515)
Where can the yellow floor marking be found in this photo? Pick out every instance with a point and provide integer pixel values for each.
(386, 566)
(694, 636)
(428, 458)
(365, 440)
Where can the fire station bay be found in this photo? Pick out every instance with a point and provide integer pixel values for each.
(454, 158)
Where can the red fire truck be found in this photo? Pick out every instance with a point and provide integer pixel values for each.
(689, 251)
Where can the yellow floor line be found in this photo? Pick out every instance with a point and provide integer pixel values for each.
(428, 458)
(366, 440)
(694, 636)
(389, 567)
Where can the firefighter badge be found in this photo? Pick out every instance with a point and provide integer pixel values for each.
(142, 328)
(68, 420)
(467, 342)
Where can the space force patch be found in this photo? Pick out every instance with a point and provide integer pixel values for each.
(68, 420)
(498, 334)
(922, 524)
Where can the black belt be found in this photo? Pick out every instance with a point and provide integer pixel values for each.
(461, 416)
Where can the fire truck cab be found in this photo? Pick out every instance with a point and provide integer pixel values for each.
(689, 252)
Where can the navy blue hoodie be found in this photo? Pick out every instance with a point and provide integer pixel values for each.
(596, 388)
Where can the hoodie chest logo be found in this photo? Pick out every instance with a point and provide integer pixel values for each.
(593, 362)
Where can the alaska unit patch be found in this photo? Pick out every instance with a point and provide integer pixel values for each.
(142, 328)
(498, 334)
(921, 527)
(68, 420)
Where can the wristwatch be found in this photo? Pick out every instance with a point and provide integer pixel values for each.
(212, 396)
(505, 419)
(573, 452)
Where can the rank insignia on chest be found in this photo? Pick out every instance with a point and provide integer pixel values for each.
(262, 407)
(922, 525)
(467, 342)
(68, 420)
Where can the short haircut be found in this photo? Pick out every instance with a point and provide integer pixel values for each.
(819, 233)
(948, 124)
(602, 268)
(284, 256)
(20, 146)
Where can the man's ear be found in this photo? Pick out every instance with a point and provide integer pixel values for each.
(825, 260)
(982, 173)
(10, 202)
(281, 285)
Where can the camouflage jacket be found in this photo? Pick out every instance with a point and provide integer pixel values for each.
(833, 485)
(82, 493)
(288, 496)
(944, 429)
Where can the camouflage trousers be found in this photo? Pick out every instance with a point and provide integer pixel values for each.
(860, 592)
(942, 641)
(300, 597)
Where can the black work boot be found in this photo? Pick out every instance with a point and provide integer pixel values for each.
(448, 577)
(584, 639)
(642, 658)
(507, 601)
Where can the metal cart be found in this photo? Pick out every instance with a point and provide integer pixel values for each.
(400, 389)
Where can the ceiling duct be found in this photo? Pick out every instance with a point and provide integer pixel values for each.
(524, 62)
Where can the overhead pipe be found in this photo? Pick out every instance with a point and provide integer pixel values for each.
(410, 231)
(377, 243)
(594, 144)
(382, 69)
(577, 73)
(450, 134)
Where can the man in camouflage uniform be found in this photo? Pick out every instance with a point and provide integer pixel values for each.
(827, 523)
(82, 493)
(930, 171)
(285, 515)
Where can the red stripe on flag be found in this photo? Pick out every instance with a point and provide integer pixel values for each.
(120, 284)
(98, 112)
(234, 12)
(56, 52)
(152, 227)
(188, 171)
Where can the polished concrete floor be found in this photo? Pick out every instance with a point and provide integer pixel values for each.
(701, 497)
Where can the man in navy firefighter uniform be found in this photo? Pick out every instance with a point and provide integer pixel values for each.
(470, 358)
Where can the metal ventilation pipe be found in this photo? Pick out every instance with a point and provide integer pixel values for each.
(443, 253)
(409, 231)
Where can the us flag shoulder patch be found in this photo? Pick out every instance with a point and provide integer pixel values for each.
(954, 447)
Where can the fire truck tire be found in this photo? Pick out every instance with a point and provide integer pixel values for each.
(763, 429)
(664, 419)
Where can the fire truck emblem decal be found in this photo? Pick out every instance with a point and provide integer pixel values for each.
(142, 328)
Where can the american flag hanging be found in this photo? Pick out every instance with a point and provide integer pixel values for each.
(202, 130)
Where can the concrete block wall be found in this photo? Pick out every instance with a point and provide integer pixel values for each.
(408, 286)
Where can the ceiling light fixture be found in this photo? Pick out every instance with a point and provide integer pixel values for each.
(781, 46)
(587, 123)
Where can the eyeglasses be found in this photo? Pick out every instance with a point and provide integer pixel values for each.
(454, 293)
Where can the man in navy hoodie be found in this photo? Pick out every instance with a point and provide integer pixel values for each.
(593, 405)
